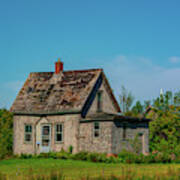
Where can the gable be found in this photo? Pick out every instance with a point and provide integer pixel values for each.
(109, 103)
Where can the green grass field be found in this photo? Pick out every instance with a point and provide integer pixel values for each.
(71, 169)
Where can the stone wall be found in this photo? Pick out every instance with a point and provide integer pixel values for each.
(70, 133)
(19, 145)
(138, 130)
(111, 137)
(80, 135)
(87, 141)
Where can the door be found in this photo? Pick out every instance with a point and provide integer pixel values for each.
(45, 138)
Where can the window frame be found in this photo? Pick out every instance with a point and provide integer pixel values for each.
(28, 133)
(55, 133)
(96, 130)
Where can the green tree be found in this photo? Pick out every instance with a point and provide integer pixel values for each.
(137, 108)
(164, 131)
(126, 100)
(6, 132)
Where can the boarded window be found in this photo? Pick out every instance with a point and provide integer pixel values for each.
(96, 129)
(28, 133)
(59, 132)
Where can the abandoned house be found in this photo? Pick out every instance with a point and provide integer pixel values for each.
(56, 110)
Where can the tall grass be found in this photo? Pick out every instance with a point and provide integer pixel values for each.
(127, 173)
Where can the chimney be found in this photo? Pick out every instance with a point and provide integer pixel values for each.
(58, 66)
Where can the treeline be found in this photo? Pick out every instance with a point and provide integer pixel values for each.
(164, 127)
(165, 114)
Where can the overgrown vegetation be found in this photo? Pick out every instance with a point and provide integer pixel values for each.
(20, 169)
(6, 131)
(122, 157)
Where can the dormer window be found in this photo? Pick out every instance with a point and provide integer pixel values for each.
(99, 101)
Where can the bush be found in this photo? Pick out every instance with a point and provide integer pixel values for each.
(6, 131)
(80, 156)
(25, 156)
(70, 149)
(62, 155)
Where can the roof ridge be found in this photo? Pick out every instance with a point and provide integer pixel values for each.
(69, 71)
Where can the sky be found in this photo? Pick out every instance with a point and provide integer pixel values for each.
(137, 43)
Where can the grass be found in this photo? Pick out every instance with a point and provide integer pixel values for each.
(71, 169)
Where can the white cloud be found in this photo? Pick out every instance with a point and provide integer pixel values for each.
(174, 59)
(141, 76)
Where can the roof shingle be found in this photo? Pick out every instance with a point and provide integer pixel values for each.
(48, 92)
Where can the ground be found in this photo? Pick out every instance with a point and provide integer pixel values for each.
(71, 169)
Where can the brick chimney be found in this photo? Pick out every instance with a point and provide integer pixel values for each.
(58, 67)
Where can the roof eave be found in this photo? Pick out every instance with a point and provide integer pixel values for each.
(46, 113)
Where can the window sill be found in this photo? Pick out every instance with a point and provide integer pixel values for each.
(59, 142)
(28, 142)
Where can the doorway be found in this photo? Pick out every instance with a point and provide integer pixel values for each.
(45, 138)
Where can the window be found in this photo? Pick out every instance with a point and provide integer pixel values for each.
(124, 132)
(99, 101)
(28, 133)
(96, 129)
(58, 132)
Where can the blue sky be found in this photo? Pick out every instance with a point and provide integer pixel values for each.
(136, 42)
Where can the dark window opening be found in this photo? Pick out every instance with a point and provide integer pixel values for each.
(96, 129)
(124, 132)
(99, 101)
(27, 133)
(59, 133)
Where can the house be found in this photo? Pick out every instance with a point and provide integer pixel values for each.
(55, 110)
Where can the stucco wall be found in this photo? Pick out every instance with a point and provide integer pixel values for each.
(107, 104)
(70, 132)
(87, 141)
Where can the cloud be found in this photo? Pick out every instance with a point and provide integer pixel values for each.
(141, 76)
(174, 59)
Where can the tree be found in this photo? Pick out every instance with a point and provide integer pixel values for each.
(137, 108)
(6, 132)
(126, 100)
(164, 131)
(177, 98)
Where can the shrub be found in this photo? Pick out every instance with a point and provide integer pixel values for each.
(80, 156)
(62, 155)
(70, 149)
(93, 157)
(25, 156)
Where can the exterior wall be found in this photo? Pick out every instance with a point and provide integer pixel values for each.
(132, 130)
(19, 145)
(87, 141)
(107, 104)
(70, 133)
